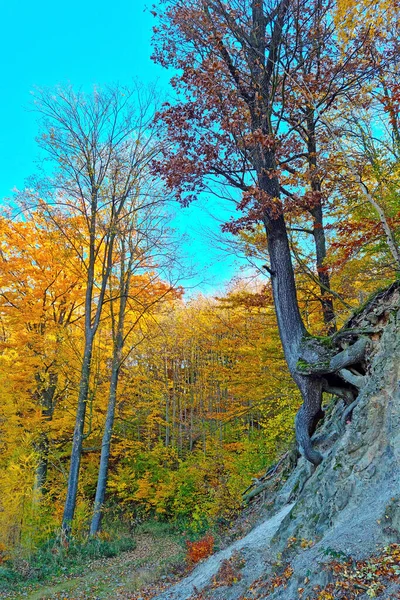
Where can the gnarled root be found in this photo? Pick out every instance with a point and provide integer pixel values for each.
(350, 356)
(348, 412)
(353, 378)
(346, 393)
(308, 416)
(316, 371)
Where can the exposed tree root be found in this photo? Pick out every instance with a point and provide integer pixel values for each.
(308, 416)
(339, 390)
(350, 356)
(355, 379)
(263, 483)
(347, 413)
(325, 372)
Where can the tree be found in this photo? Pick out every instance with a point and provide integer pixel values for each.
(41, 295)
(233, 64)
(368, 141)
(316, 79)
(137, 244)
(99, 145)
(350, 16)
(373, 174)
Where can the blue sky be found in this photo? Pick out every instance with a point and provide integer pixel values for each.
(46, 43)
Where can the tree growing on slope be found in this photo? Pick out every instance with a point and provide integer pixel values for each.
(233, 61)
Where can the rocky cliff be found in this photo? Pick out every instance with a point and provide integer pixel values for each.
(322, 520)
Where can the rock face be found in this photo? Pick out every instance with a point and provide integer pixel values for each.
(350, 504)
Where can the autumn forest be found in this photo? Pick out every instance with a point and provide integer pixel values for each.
(126, 397)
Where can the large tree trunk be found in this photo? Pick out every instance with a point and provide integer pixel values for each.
(290, 324)
(292, 331)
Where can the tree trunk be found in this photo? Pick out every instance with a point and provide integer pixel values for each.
(318, 228)
(290, 324)
(124, 287)
(291, 331)
(42, 446)
(167, 405)
(291, 327)
(106, 442)
(90, 332)
(76, 452)
(328, 310)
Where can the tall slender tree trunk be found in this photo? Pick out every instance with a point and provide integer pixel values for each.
(90, 332)
(316, 212)
(328, 310)
(76, 453)
(124, 286)
(106, 442)
(174, 402)
(42, 445)
(167, 405)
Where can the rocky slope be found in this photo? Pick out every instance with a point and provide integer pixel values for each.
(348, 507)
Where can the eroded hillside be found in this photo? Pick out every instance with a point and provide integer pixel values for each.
(347, 509)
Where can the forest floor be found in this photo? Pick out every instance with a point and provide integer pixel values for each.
(158, 561)
(141, 573)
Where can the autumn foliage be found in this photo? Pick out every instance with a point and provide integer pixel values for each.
(200, 549)
(307, 150)
(196, 415)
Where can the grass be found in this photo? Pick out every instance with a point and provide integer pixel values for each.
(53, 559)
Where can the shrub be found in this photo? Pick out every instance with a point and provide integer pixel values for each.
(196, 551)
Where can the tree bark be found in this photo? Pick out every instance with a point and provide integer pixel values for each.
(42, 446)
(109, 425)
(328, 310)
(76, 452)
(290, 324)
(106, 444)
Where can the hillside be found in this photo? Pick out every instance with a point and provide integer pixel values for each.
(308, 533)
(346, 509)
